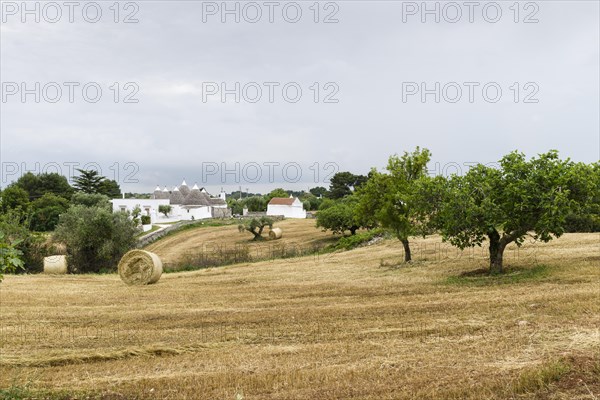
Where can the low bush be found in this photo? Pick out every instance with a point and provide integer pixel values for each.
(582, 223)
(359, 239)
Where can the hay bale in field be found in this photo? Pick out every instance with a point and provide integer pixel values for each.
(55, 265)
(140, 267)
(275, 233)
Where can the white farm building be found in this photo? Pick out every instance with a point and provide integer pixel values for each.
(289, 207)
(186, 204)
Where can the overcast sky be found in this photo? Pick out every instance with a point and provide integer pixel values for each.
(372, 61)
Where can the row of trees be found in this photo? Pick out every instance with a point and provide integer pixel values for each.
(81, 215)
(342, 184)
(536, 197)
(43, 197)
(258, 202)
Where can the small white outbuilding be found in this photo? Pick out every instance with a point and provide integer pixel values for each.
(290, 207)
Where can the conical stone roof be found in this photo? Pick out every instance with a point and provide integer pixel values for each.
(184, 189)
(158, 193)
(176, 197)
(196, 198)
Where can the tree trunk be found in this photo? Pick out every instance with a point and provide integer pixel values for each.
(353, 230)
(407, 256)
(497, 246)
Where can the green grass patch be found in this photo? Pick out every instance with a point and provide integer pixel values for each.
(154, 228)
(24, 392)
(354, 241)
(511, 275)
(532, 380)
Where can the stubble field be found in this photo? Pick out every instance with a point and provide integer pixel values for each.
(354, 324)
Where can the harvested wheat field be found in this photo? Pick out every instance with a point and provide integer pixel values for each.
(345, 325)
(299, 235)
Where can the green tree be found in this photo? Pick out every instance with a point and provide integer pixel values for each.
(46, 210)
(88, 181)
(236, 205)
(15, 198)
(279, 192)
(256, 203)
(311, 202)
(96, 238)
(344, 183)
(91, 200)
(136, 213)
(38, 185)
(165, 209)
(110, 188)
(255, 226)
(386, 199)
(518, 199)
(319, 191)
(340, 216)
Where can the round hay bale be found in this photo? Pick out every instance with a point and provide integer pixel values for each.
(55, 265)
(140, 267)
(275, 233)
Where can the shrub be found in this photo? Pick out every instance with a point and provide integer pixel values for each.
(146, 220)
(96, 238)
(10, 256)
(351, 242)
(582, 223)
(29, 246)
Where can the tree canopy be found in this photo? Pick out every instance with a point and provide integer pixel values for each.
(256, 226)
(504, 205)
(38, 185)
(340, 216)
(343, 184)
(386, 198)
(96, 238)
(88, 181)
(91, 182)
(46, 210)
(14, 198)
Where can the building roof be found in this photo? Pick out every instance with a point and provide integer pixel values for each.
(282, 201)
(217, 201)
(196, 198)
(176, 197)
(184, 188)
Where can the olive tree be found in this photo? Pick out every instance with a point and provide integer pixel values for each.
(256, 226)
(165, 209)
(96, 238)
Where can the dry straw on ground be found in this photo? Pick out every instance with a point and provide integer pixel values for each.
(55, 264)
(275, 233)
(140, 267)
(359, 324)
